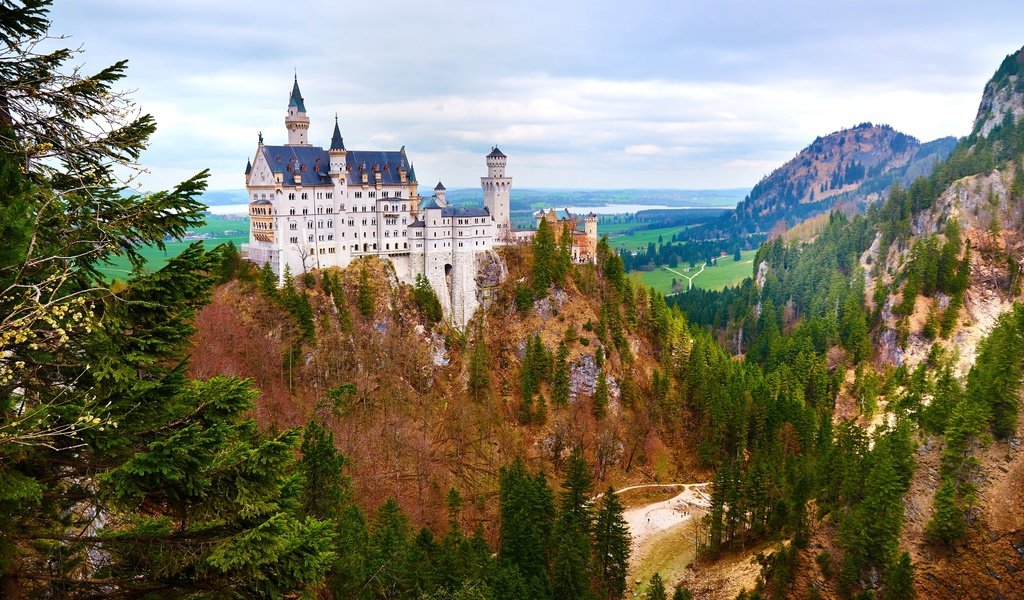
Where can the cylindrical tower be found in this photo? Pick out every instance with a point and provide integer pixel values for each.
(297, 122)
(497, 187)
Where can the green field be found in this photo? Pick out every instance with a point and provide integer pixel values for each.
(220, 229)
(637, 240)
(724, 274)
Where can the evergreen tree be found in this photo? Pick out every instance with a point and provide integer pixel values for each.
(480, 369)
(682, 593)
(656, 589)
(543, 259)
(97, 415)
(601, 395)
(427, 300)
(560, 383)
(526, 516)
(572, 531)
(899, 583)
(268, 281)
(947, 525)
(364, 294)
(388, 552)
(611, 548)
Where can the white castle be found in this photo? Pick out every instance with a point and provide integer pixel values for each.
(311, 208)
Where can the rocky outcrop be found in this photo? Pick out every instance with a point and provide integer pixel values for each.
(1004, 95)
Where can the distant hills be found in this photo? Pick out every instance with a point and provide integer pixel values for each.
(851, 165)
(530, 199)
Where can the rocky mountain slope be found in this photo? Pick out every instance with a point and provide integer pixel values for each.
(852, 165)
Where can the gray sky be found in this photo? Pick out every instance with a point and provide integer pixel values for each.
(578, 93)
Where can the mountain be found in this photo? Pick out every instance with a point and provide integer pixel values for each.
(1003, 95)
(852, 165)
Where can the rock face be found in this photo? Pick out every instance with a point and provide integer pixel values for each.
(1004, 94)
(852, 165)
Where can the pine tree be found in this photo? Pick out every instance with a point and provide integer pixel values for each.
(427, 300)
(388, 559)
(601, 395)
(611, 548)
(268, 281)
(572, 531)
(899, 583)
(543, 259)
(682, 593)
(526, 517)
(364, 294)
(656, 589)
(480, 369)
(560, 383)
(98, 416)
(947, 525)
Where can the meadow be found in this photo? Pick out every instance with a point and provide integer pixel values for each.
(725, 273)
(218, 229)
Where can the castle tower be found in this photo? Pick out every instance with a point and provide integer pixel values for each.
(297, 122)
(439, 193)
(496, 193)
(337, 151)
(590, 230)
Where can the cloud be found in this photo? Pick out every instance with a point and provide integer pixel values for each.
(578, 93)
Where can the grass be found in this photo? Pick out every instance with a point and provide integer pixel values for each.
(636, 240)
(725, 273)
(220, 229)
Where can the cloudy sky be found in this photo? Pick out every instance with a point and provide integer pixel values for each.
(578, 93)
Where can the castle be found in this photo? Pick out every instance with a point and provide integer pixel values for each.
(311, 208)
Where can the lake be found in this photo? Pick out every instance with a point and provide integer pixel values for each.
(608, 209)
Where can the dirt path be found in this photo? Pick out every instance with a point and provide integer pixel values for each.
(689, 278)
(649, 520)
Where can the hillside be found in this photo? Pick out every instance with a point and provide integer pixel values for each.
(852, 165)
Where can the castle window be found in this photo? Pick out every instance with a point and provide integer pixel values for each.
(294, 240)
(330, 195)
(372, 194)
(309, 224)
(330, 223)
(310, 238)
(359, 194)
(330, 210)
(364, 221)
(460, 244)
(387, 246)
(403, 233)
(398, 195)
(384, 194)
(291, 195)
(321, 238)
(305, 211)
(330, 237)
(330, 250)
(305, 196)
(405, 245)
(293, 226)
(291, 211)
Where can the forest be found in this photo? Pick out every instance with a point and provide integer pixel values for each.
(123, 473)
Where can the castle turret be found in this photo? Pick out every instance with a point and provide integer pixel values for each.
(337, 151)
(297, 122)
(439, 193)
(590, 229)
(496, 189)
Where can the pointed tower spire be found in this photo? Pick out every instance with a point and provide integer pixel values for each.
(248, 166)
(296, 121)
(296, 97)
(337, 142)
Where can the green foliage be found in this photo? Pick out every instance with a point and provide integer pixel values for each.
(97, 415)
(947, 525)
(365, 294)
(611, 548)
(899, 584)
(560, 384)
(526, 518)
(655, 589)
(480, 368)
(544, 259)
(600, 395)
(523, 297)
(571, 560)
(426, 299)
